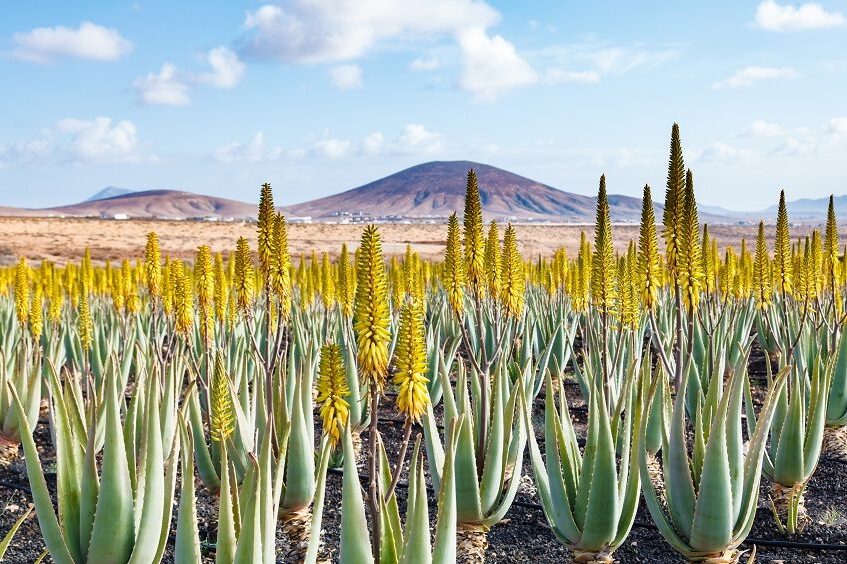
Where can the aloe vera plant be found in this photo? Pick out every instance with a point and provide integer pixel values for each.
(486, 480)
(22, 371)
(796, 435)
(399, 543)
(712, 492)
(101, 518)
(589, 502)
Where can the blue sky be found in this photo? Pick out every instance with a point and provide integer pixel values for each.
(318, 96)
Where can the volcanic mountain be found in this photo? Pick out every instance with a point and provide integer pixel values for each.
(437, 189)
(168, 204)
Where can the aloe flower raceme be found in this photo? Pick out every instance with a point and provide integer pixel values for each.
(101, 518)
(797, 435)
(712, 494)
(22, 371)
(487, 479)
(590, 504)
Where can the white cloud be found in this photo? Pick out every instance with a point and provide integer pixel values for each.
(417, 139)
(590, 62)
(326, 31)
(172, 87)
(227, 69)
(165, 88)
(425, 64)
(719, 152)
(99, 140)
(491, 65)
(373, 144)
(88, 41)
(794, 146)
(762, 128)
(773, 16)
(331, 148)
(750, 75)
(559, 76)
(78, 141)
(329, 31)
(837, 126)
(346, 77)
(414, 139)
(254, 151)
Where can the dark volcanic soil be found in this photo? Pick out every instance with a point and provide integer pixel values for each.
(522, 537)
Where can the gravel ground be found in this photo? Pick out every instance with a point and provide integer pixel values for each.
(523, 536)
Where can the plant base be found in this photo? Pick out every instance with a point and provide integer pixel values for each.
(297, 527)
(835, 442)
(471, 543)
(357, 445)
(8, 452)
(602, 557)
(657, 476)
(731, 556)
(784, 498)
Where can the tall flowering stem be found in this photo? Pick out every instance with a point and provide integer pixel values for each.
(373, 318)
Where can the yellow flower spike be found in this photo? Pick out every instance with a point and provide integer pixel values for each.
(709, 274)
(221, 287)
(648, 252)
(265, 227)
(604, 293)
(689, 262)
(327, 282)
(57, 299)
(183, 299)
(244, 277)
(473, 236)
(333, 392)
(280, 277)
(371, 310)
(454, 268)
(674, 201)
(153, 266)
(36, 312)
(411, 363)
(783, 267)
(205, 279)
(222, 421)
(167, 287)
(816, 267)
(118, 292)
(493, 276)
(22, 292)
(762, 283)
(830, 248)
(345, 282)
(513, 285)
(85, 326)
(630, 294)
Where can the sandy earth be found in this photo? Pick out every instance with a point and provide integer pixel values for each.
(63, 240)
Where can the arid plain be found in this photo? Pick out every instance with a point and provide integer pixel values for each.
(63, 240)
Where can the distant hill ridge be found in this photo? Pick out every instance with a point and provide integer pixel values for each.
(429, 190)
(437, 189)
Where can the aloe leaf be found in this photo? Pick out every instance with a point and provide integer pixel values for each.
(51, 532)
(444, 550)
(603, 507)
(113, 530)
(317, 507)
(714, 516)
(355, 538)
(153, 496)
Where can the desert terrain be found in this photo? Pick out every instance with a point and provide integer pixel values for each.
(63, 240)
